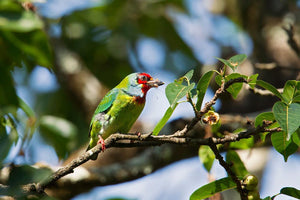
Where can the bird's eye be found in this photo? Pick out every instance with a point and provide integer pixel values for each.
(144, 78)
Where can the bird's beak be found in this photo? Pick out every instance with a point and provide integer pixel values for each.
(155, 83)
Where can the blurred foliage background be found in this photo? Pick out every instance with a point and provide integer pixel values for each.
(58, 58)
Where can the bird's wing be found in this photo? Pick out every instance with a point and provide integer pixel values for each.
(104, 106)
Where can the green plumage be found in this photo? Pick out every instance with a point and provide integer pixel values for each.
(118, 110)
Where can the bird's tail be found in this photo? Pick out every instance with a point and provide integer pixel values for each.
(95, 156)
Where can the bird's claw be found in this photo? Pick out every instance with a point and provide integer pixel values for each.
(101, 141)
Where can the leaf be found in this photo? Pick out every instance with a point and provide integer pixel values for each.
(290, 191)
(8, 96)
(252, 80)
(213, 188)
(28, 111)
(267, 198)
(175, 92)
(238, 166)
(235, 88)
(189, 75)
(269, 87)
(242, 144)
(283, 146)
(296, 99)
(234, 61)
(164, 120)
(19, 21)
(268, 116)
(289, 91)
(288, 117)
(202, 87)
(5, 141)
(58, 132)
(206, 156)
(30, 48)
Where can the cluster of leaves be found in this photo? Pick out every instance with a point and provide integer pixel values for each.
(285, 116)
(24, 44)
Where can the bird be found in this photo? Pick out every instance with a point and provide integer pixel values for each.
(120, 108)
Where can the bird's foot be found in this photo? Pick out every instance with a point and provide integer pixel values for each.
(101, 141)
(138, 134)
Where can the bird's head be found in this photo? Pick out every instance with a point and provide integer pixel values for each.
(138, 84)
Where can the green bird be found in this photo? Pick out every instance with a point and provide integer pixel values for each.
(120, 108)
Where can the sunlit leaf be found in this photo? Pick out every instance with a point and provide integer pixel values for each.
(235, 88)
(189, 75)
(290, 191)
(58, 132)
(175, 91)
(269, 87)
(252, 80)
(19, 21)
(213, 188)
(164, 120)
(237, 165)
(234, 61)
(283, 146)
(26, 108)
(206, 156)
(202, 87)
(291, 87)
(288, 116)
(242, 144)
(267, 116)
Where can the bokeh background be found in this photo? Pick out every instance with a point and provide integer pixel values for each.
(64, 56)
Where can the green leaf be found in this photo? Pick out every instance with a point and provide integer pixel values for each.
(296, 99)
(283, 146)
(269, 87)
(28, 111)
(235, 88)
(164, 120)
(206, 156)
(238, 166)
(213, 188)
(242, 144)
(59, 133)
(288, 117)
(267, 198)
(252, 80)
(5, 141)
(189, 75)
(202, 87)
(175, 91)
(234, 61)
(19, 21)
(30, 48)
(290, 191)
(268, 116)
(289, 90)
(8, 95)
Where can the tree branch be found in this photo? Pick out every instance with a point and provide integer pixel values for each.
(226, 166)
(130, 140)
(133, 140)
